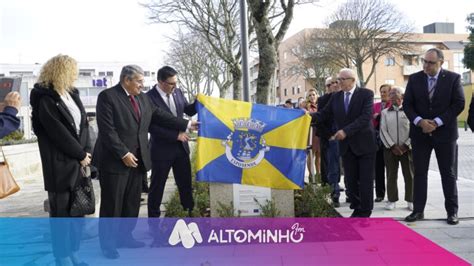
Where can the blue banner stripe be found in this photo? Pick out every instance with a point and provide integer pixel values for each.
(274, 116)
(211, 126)
(220, 170)
(291, 163)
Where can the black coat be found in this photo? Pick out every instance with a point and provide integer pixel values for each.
(447, 103)
(357, 123)
(120, 132)
(61, 148)
(325, 130)
(164, 143)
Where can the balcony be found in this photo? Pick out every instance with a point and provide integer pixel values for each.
(410, 69)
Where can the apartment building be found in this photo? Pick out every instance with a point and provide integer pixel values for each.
(392, 70)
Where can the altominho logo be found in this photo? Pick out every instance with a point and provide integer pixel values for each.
(187, 234)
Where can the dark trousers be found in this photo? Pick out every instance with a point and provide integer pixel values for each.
(65, 233)
(323, 147)
(120, 197)
(334, 173)
(445, 155)
(379, 174)
(359, 172)
(392, 161)
(182, 174)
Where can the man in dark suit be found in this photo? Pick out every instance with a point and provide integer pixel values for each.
(169, 147)
(330, 169)
(351, 111)
(122, 156)
(433, 99)
(470, 117)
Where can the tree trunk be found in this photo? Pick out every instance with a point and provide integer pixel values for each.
(267, 60)
(236, 72)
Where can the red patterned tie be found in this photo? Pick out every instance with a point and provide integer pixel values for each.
(135, 106)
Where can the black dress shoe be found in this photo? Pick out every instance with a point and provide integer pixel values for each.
(452, 219)
(414, 216)
(130, 243)
(335, 203)
(378, 199)
(355, 213)
(111, 254)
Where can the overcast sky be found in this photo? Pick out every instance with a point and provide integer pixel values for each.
(118, 30)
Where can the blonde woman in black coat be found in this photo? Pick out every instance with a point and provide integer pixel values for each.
(59, 122)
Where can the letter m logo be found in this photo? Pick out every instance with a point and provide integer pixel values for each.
(188, 235)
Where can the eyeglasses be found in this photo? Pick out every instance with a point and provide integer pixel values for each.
(170, 83)
(428, 62)
(343, 79)
(329, 84)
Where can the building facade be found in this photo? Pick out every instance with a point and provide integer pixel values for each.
(93, 78)
(389, 70)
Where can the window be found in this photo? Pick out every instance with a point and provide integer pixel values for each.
(86, 72)
(389, 61)
(21, 73)
(147, 73)
(458, 64)
(293, 90)
(298, 89)
(101, 73)
(110, 73)
(286, 92)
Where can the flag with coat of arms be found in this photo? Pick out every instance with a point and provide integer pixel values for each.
(251, 144)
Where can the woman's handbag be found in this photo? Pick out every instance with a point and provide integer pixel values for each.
(8, 184)
(83, 199)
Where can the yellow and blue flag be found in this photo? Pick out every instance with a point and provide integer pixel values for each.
(251, 144)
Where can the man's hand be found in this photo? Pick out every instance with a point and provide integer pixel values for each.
(195, 125)
(396, 150)
(13, 99)
(427, 125)
(130, 160)
(340, 135)
(87, 160)
(183, 137)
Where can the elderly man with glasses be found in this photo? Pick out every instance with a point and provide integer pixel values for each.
(433, 99)
(351, 111)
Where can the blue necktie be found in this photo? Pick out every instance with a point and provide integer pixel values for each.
(346, 101)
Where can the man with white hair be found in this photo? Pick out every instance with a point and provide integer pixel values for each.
(351, 111)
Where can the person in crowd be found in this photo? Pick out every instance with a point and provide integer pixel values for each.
(60, 124)
(351, 111)
(470, 117)
(312, 107)
(394, 134)
(288, 104)
(379, 160)
(329, 148)
(9, 122)
(169, 147)
(433, 99)
(301, 103)
(122, 155)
